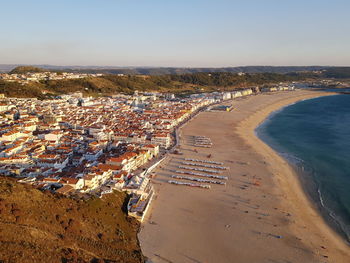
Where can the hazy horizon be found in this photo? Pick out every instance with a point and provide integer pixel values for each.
(175, 34)
(151, 66)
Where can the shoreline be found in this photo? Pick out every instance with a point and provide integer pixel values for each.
(254, 214)
(304, 174)
(303, 185)
(312, 192)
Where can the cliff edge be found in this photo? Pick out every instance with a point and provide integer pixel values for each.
(37, 226)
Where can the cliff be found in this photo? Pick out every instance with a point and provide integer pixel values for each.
(44, 227)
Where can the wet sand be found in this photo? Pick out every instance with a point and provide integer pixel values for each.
(261, 215)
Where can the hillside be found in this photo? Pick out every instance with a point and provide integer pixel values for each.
(169, 70)
(338, 73)
(331, 71)
(42, 227)
(26, 69)
(178, 84)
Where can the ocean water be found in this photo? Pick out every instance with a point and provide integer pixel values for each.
(314, 135)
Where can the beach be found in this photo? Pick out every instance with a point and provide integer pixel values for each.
(261, 215)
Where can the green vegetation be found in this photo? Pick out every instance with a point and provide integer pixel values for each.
(39, 226)
(338, 73)
(224, 79)
(178, 84)
(13, 89)
(175, 83)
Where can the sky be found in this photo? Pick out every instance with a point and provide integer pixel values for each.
(175, 33)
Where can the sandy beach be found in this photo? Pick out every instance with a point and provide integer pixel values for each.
(261, 215)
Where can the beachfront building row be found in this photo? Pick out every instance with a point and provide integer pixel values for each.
(231, 95)
(141, 198)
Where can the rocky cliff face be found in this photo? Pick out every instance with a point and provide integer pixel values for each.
(43, 227)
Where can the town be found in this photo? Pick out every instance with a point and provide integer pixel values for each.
(82, 146)
(25, 78)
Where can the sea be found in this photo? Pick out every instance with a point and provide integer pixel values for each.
(314, 136)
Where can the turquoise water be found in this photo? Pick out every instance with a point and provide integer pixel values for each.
(315, 135)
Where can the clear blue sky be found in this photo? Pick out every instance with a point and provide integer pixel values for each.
(189, 33)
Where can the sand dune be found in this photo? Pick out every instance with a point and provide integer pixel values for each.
(261, 215)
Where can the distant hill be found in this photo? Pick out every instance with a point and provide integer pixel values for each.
(338, 72)
(43, 227)
(178, 84)
(170, 70)
(26, 69)
(157, 79)
(334, 72)
(180, 71)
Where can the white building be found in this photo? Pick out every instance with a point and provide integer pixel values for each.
(163, 140)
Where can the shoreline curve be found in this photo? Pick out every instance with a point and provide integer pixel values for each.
(239, 222)
(297, 192)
